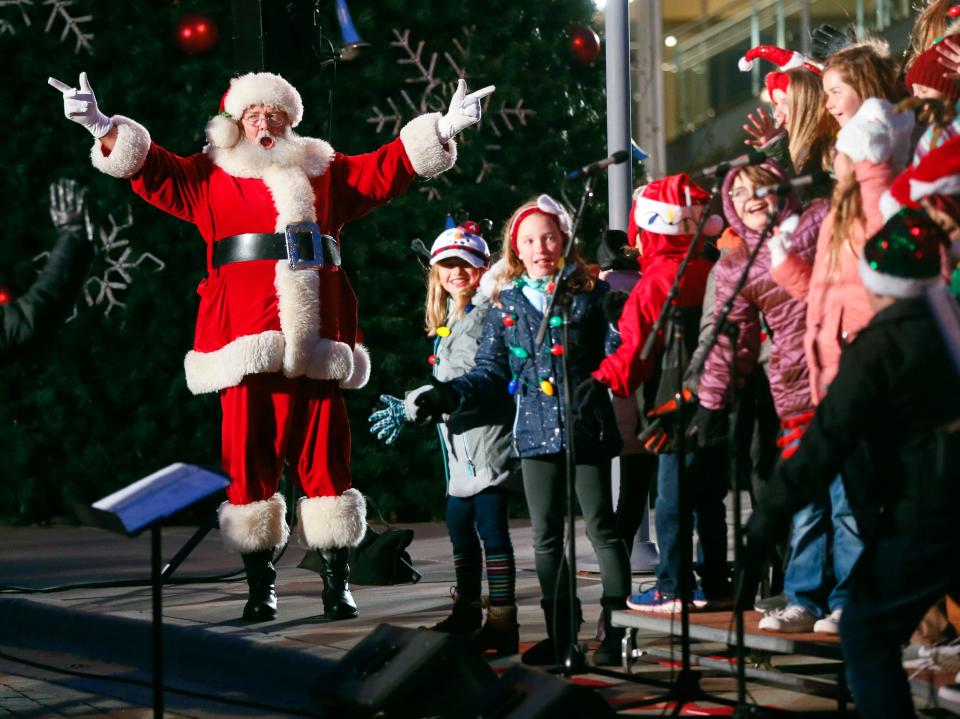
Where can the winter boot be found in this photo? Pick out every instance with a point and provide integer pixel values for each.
(337, 601)
(464, 620)
(500, 632)
(551, 650)
(608, 653)
(261, 603)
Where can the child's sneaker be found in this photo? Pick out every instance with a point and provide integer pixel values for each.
(793, 618)
(653, 600)
(830, 624)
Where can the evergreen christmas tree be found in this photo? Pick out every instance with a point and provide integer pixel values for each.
(104, 402)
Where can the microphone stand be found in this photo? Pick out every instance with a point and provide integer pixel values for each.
(731, 330)
(573, 657)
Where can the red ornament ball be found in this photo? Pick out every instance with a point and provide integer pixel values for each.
(196, 34)
(954, 11)
(6, 296)
(585, 44)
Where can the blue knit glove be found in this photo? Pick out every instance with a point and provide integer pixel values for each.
(386, 423)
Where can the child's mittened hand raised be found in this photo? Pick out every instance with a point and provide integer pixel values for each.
(387, 423)
(779, 243)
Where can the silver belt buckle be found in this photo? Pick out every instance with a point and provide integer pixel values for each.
(293, 252)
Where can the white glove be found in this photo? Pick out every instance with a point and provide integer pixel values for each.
(81, 106)
(464, 111)
(878, 132)
(779, 243)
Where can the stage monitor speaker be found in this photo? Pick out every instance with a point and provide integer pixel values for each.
(524, 693)
(399, 672)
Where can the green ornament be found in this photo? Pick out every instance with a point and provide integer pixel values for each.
(519, 352)
(556, 321)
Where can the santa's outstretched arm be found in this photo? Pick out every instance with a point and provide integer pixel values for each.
(80, 105)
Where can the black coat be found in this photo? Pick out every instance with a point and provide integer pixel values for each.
(43, 307)
(895, 404)
(539, 418)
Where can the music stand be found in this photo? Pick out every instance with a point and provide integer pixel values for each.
(146, 504)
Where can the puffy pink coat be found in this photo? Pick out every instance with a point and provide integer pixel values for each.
(838, 306)
(783, 314)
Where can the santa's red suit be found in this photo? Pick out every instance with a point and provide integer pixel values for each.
(278, 344)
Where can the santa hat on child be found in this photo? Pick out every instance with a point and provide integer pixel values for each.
(672, 205)
(927, 70)
(903, 258)
(254, 88)
(937, 174)
(786, 59)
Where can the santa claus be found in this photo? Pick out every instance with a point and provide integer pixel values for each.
(276, 332)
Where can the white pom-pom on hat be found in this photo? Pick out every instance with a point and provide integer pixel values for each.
(222, 132)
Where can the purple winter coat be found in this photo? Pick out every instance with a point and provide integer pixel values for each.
(784, 316)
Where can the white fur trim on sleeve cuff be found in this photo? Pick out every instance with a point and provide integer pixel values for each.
(888, 205)
(427, 155)
(361, 369)
(253, 527)
(329, 522)
(129, 151)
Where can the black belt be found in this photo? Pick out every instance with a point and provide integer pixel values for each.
(302, 244)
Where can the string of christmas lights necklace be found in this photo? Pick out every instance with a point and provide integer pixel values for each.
(443, 331)
(546, 385)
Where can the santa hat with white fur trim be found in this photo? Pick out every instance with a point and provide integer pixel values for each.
(786, 59)
(254, 88)
(672, 206)
(938, 173)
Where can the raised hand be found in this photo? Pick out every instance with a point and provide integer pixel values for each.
(80, 105)
(387, 423)
(949, 51)
(826, 40)
(761, 129)
(67, 203)
(464, 111)
(430, 402)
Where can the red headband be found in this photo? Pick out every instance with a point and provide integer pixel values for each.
(524, 214)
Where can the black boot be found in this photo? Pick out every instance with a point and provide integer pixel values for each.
(552, 649)
(261, 603)
(608, 653)
(337, 601)
(464, 620)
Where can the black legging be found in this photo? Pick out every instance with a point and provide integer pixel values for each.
(543, 483)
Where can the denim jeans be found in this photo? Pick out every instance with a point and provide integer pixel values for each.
(895, 582)
(706, 486)
(484, 514)
(824, 546)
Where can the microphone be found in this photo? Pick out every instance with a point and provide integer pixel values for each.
(753, 157)
(587, 170)
(817, 177)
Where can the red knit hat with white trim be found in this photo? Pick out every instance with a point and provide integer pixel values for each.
(672, 206)
(254, 88)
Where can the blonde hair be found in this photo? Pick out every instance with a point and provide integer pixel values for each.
(436, 314)
(580, 281)
(867, 68)
(811, 130)
(930, 111)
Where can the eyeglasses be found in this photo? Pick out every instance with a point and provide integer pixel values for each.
(273, 119)
(741, 194)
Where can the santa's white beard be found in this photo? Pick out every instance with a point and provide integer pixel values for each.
(287, 151)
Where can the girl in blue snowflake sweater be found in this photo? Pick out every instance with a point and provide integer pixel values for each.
(508, 361)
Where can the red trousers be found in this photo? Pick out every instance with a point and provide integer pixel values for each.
(269, 419)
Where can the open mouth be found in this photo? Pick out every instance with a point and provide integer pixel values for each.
(266, 142)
